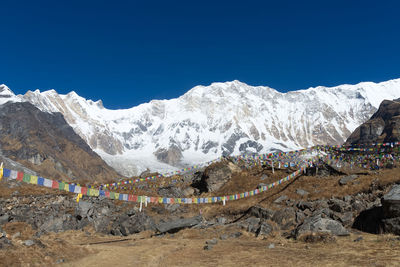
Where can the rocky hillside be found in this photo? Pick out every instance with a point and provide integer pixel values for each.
(46, 144)
(220, 119)
(384, 125)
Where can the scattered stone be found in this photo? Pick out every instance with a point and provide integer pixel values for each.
(4, 219)
(208, 247)
(213, 241)
(314, 237)
(224, 237)
(358, 239)
(271, 246)
(264, 177)
(301, 192)
(348, 178)
(235, 235)
(28, 243)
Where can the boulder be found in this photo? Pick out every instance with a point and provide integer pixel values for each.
(285, 217)
(301, 192)
(251, 224)
(338, 205)
(280, 199)
(4, 219)
(391, 210)
(347, 179)
(317, 224)
(176, 225)
(215, 176)
(133, 224)
(262, 213)
(265, 229)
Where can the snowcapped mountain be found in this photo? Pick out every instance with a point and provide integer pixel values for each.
(221, 119)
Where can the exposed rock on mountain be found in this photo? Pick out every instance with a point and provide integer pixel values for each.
(45, 143)
(220, 119)
(384, 125)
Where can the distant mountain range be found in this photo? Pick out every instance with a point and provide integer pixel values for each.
(209, 121)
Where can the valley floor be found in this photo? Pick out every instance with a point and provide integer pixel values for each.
(185, 248)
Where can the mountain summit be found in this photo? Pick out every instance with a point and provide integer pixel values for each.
(220, 119)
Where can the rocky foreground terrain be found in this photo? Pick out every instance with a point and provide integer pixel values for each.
(338, 217)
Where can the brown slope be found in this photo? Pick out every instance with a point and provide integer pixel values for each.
(45, 143)
(384, 125)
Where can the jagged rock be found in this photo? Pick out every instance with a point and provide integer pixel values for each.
(317, 224)
(303, 205)
(280, 199)
(28, 243)
(284, 217)
(136, 223)
(84, 209)
(251, 224)
(384, 126)
(176, 225)
(346, 218)
(348, 178)
(170, 191)
(260, 212)
(337, 205)
(215, 176)
(265, 229)
(391, 210)
(213, 241)
(301, 192)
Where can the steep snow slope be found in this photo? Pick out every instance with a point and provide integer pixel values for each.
(220, 119)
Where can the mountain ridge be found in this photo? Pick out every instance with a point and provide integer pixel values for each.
(220, 119)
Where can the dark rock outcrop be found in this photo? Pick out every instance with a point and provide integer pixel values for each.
(214, 177)
(45, 143)
(391, 210)
(384, 126)
(317, 224)
(176, 225)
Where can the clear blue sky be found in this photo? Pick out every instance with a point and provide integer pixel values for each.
(129, 52)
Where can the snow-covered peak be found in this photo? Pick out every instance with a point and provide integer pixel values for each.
(226, 118)
(7, 95)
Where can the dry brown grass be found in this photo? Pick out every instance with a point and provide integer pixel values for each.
(186, 247)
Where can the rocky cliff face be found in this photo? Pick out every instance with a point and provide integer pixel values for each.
(384, 125)
(46, 144)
